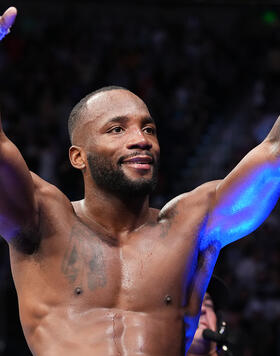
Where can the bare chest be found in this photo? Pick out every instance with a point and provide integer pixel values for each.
(152, 270)
(82, 273)
(145, 272)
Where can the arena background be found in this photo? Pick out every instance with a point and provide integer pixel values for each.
(209, 71)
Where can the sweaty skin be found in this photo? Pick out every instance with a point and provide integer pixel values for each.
(108, 275)
(121, 306)
(124, 285)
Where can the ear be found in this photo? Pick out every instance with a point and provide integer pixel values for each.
(77, 157)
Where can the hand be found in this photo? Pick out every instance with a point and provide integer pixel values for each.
(6, 21)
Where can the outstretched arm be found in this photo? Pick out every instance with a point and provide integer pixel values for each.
(244, 199)
(17, 197)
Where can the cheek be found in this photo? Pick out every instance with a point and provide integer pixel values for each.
(100, 151)
(212, 319)
(157, 147)
(106, 148)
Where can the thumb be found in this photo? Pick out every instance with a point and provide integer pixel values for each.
(8, 17)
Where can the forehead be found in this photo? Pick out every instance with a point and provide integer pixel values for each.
(115, 103)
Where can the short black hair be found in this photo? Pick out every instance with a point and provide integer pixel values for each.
(79, 108)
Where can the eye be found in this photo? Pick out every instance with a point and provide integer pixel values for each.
(149, 130)
(116, 129)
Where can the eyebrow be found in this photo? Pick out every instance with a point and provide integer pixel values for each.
(208, 299)
(125, 119)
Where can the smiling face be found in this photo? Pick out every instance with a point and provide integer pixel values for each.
(118, 138)
(207, 320)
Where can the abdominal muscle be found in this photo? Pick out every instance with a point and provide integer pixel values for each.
(107, 332)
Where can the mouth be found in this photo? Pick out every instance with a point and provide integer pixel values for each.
(143, 162)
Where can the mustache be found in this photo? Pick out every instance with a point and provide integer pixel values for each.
(134, 154)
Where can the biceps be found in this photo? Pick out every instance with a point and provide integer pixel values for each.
(244, 205)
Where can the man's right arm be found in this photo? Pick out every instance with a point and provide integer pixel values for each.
(18, 207)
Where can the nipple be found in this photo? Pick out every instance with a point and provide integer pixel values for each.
(167, 299)
(78, 291)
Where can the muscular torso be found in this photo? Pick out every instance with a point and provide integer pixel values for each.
(82, 293)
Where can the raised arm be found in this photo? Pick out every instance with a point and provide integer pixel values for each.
(244, 199)
(17, 197)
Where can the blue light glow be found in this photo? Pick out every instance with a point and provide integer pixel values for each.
(244, 208)
(3, 32)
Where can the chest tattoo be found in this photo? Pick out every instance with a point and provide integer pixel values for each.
(165, 227)
(83, 262)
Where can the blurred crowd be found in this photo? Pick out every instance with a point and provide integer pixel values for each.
(211, 78)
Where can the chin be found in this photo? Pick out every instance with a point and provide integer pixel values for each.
(139, 174)
(139, 180)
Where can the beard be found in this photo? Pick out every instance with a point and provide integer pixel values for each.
(114, 180)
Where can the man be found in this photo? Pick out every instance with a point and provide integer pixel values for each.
(108, 275)
(215, 299)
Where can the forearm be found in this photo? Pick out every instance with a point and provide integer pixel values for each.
(17, 203)
(17, 192)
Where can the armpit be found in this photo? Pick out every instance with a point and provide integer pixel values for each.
(27, 241)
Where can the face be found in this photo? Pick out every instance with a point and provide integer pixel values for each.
(120, 141)
(207, 320)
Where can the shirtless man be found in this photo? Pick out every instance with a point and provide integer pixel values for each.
(107, 275)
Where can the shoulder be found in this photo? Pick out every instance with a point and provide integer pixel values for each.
(46, 192)
(52, 206)
(201, 197)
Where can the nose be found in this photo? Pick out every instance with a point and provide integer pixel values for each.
(138, 139)
(203, 309)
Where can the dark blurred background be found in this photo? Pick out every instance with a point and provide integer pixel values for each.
(210, 73)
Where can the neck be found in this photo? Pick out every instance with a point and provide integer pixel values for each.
(118, 216)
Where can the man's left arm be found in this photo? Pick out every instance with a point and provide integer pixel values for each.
(244, 198)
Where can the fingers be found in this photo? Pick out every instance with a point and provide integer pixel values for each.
(7, 20)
